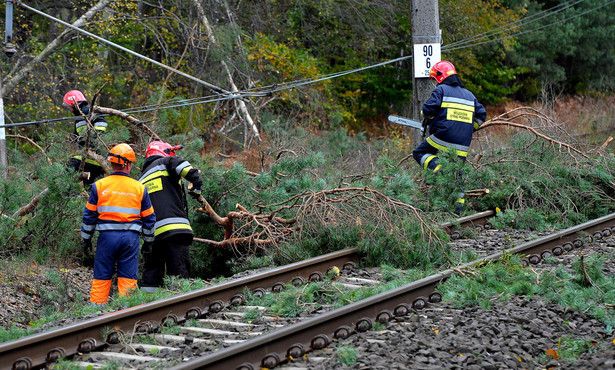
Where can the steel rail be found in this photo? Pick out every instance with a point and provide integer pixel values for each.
(270, 350)
(37, 350)
(478, 220)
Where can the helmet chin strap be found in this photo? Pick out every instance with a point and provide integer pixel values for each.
(124, 159)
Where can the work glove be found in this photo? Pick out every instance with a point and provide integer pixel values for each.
(425, 126)
(195, 193)
(147, 247)
(86, 244)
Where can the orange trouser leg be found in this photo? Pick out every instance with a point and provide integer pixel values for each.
(125, 286)
(100, 291)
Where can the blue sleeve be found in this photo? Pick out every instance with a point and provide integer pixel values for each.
(149, 221)
(480, 113)
(432, 105)
(90, 216)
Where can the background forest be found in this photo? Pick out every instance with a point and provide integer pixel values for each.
(317, 79)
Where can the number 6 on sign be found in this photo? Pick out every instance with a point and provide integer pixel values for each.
(425, 55)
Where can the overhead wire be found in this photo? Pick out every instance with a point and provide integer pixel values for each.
(560, 21)
(523, 22)
(273, 88)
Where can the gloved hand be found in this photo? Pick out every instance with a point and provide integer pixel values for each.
(425, 126)
(195, 193)
(147, 247)
(86, 244)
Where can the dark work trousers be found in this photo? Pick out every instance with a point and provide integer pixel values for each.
(95, 169)
(171, 254)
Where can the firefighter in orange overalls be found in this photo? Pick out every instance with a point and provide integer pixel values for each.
(120, 209)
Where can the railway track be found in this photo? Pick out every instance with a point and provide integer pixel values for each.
(217, 310)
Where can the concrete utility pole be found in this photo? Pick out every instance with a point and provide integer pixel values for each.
(9, 50)
(3, 161)
(426, 40)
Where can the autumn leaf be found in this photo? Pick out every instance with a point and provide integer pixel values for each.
(553, 353)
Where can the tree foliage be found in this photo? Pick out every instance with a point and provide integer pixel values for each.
(289, 60)
(266, 44)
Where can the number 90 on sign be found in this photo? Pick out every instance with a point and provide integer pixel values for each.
(425, 56)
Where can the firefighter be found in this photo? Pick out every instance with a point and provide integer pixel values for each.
(162, 174)
(77, 104)
(120, 209)
(453, 114)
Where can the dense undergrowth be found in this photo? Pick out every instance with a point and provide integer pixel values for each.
(384, 203)
(344, 190)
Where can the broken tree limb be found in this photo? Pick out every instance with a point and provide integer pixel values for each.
(312, 211)
(100, 159)
(128, 118)
(527, 113)
(604, 145)
(225, 222)
(28, 208)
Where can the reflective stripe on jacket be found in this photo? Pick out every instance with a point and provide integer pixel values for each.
(119, 202)
(162, 177)
(456, 115)
(81, 125)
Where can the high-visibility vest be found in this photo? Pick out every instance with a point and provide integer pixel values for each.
(119, 202)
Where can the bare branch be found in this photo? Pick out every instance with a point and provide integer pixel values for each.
(33, 143)
(50, 49)
(128, 118)
(528, 114)
(28, 208)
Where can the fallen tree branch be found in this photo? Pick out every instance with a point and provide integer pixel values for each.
(100, 159)
(604, 145)
(509, 118)
(364, 208)
(28, 208)
(128, 118)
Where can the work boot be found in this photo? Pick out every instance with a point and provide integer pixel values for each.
(149, 289)
(100, 306)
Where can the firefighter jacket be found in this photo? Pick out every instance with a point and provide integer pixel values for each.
(100, 125)
(163, 178)
(456, 115)
(81, 125)
(119, 203)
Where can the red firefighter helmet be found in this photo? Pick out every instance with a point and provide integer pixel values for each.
(441, 70)
(161, 148)
(73, 98)
(121, 154)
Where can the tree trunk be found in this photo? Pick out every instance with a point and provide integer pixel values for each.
(240, 104)
(18, 76)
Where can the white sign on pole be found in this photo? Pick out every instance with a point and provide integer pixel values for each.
(425, 56)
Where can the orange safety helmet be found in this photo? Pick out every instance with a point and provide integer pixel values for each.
(73, 98)
(161, 148)
(121, 154)
(441, 70)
